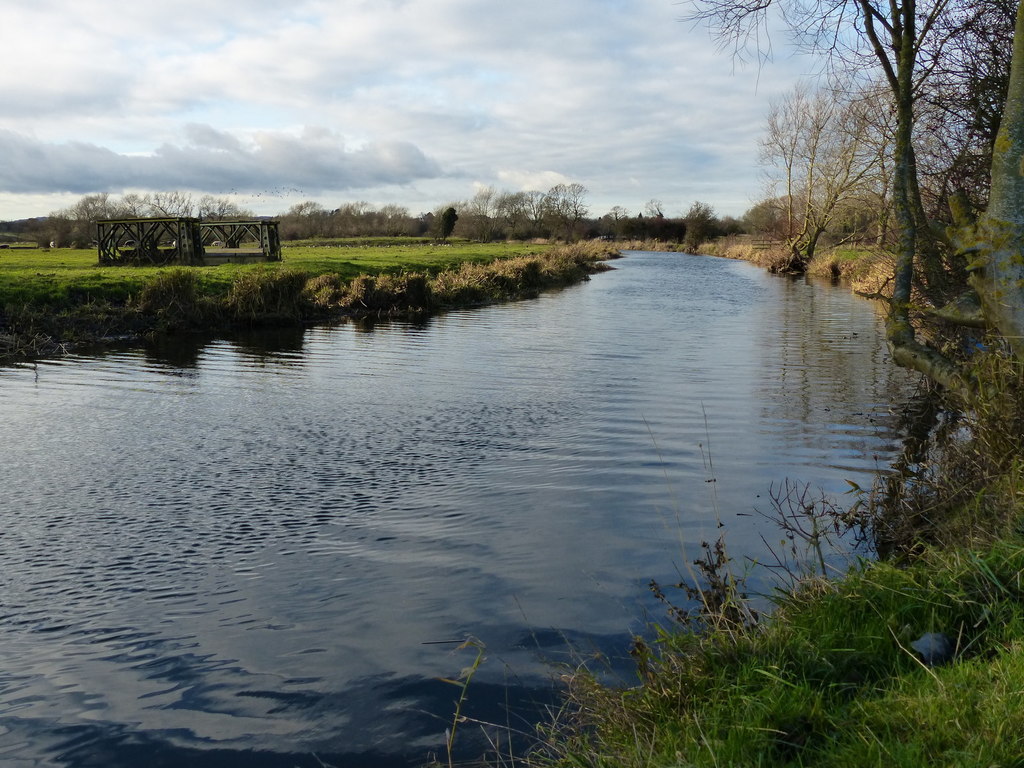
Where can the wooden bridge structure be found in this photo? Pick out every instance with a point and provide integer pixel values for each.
(239, 241)
(187, 241)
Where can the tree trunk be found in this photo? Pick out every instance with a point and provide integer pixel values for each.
(796, 264)
(906, 349)
(994, 245)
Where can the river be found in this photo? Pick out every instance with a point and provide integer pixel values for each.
(262, 550)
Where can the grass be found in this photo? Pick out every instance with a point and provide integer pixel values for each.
(369, 241)
(831, 680)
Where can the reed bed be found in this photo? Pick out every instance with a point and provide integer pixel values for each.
(774, 256)
(469, 284)
(648, 245)
(174, 300)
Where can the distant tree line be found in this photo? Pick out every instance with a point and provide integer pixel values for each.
(561, 213)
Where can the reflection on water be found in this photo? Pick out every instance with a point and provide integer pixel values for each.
(182, 355)
(255, 550)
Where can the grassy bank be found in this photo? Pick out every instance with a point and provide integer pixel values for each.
(914, 659)
(867, 269)
(53, 299)
(833, 679)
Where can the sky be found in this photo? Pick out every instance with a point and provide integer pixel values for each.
(411, 102)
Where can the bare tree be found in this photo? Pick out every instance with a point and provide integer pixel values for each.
(306, 219)
(477, 216)
(614, 220)
(220, 208)
(170, 204)
(511, 208)
(75, 226)
(350, 219)
(994, 242)
(536, 207)
(654, 208)
(132, 206)
(566, 205)
(394, 221)
(700, 223)
(818, 157)
(962, 101)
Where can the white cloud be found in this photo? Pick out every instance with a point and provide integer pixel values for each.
(314, 160)
(524, 181)
(414, 97)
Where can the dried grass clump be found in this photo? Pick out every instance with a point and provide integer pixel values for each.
(648, 245)
(269, 294)
(564, 268)
(326, 291)
(774, 257)
(464, 286)
(829, 266)
(19, 344)
(520, 277)
(481, 283)
(173, 298)
(588, 250)
(734, 247)
(571, 263)
(386, 295)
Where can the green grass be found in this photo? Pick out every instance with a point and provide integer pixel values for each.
(350, 261)
(831, 680)
(846, 253)
(360, 242)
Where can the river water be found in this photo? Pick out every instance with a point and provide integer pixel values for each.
(261, 551)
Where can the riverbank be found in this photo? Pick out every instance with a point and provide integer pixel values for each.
(54, 301)
(916, 658)
(868, 270)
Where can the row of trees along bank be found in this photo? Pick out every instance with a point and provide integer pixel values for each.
(561, 213)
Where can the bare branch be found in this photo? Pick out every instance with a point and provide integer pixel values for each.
(738, 27)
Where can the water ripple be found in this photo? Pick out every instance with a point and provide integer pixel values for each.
(222, 548)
